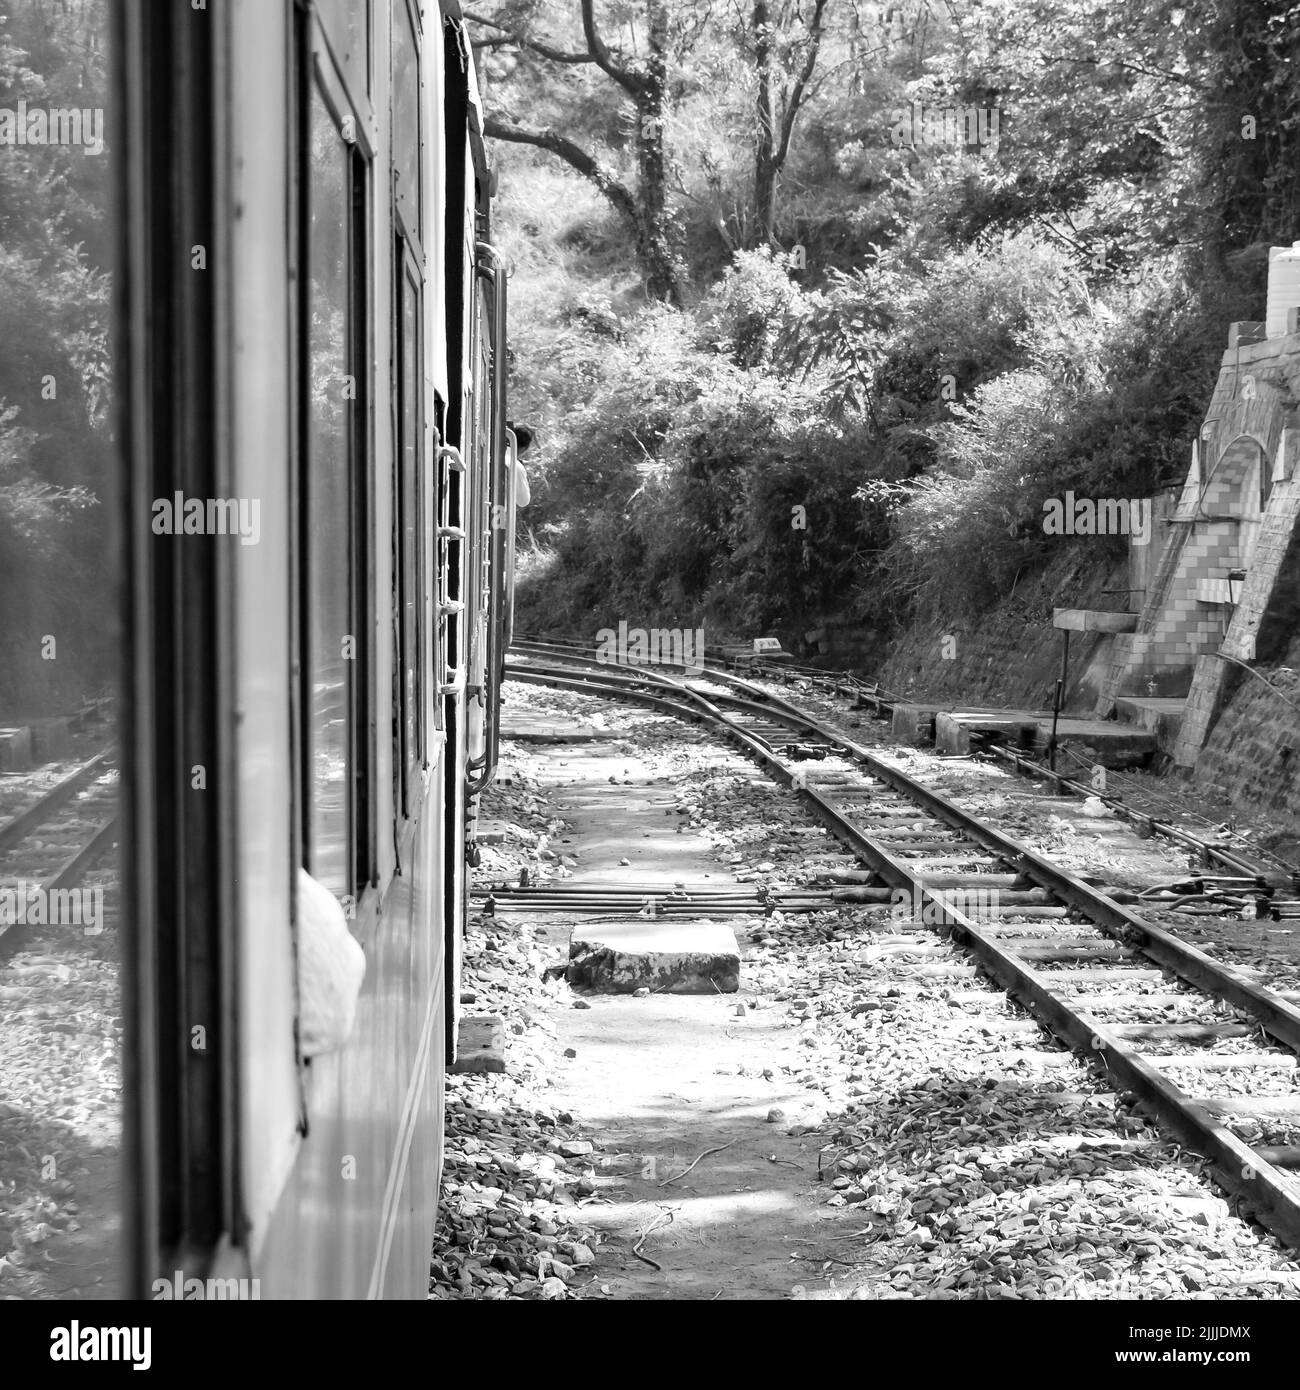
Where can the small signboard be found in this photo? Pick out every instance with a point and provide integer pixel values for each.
(766, 644)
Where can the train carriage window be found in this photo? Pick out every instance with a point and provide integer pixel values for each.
(333, 493)
(73, 487)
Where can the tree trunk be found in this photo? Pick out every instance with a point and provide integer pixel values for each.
(659, 238)
(765, 142)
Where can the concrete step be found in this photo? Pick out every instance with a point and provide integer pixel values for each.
(669, 957)
(1163, 717)
(953, 728)
(15, 750)
(1099, 740)
(51, 739)
(536, 731)
(480, 1045)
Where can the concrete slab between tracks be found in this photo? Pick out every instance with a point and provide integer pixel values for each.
(953, 728)
(536, 731)
(1100, 741)
(698, 957)
(916, 724)
(1092, 740)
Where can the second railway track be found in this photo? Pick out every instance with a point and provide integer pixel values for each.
(53, 841)
(1165, 1020)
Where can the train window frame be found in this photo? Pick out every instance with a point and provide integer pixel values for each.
(411, 549)
(408, 207)
(182, 1091)
(412, 648)
(323, 80)
(351, 52)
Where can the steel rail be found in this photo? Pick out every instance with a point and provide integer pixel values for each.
(1278, 1016)
(872, 696)
(15, 935)
(1273, 1196)
(26, 821)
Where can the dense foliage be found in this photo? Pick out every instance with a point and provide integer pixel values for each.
(55, 442)
(1003, 252)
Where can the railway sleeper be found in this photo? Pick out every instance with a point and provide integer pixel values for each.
(1039, 896)
(1183, 1032)
(1033, 938)
(1051, 954)
(913, 845)
(1280, 1155)
(996, 911)
(1224, 1061)
(869, 876)
(1145, 1001)
(1136, 975)
(1252, 1107)
(933, 861)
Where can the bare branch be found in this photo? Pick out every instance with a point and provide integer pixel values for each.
(554, 55)
(573, 155)
(601, 55)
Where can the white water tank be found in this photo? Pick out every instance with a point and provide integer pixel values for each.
(1283, 287)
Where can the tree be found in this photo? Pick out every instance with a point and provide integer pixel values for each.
(56, 450)
(644, 80)
(775, 117)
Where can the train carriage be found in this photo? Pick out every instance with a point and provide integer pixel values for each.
(312, 316)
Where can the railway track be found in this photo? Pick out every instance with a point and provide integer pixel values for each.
(1180, 1030)
(77, 822)
(1245, 863)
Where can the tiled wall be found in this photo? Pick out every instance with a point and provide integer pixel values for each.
(1218, 526)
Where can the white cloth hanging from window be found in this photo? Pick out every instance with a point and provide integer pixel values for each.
(331, 967)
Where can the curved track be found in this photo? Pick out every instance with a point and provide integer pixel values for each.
(1180, 1030)
(1233, 864)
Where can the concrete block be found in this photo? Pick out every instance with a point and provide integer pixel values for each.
(667, 957)
(1162, 717)
(480, 1045)
(1100, 741)
(536, 732)
(952, 730)
(15, 750)
(914, 724)
(1093, 620)
(51, 739)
